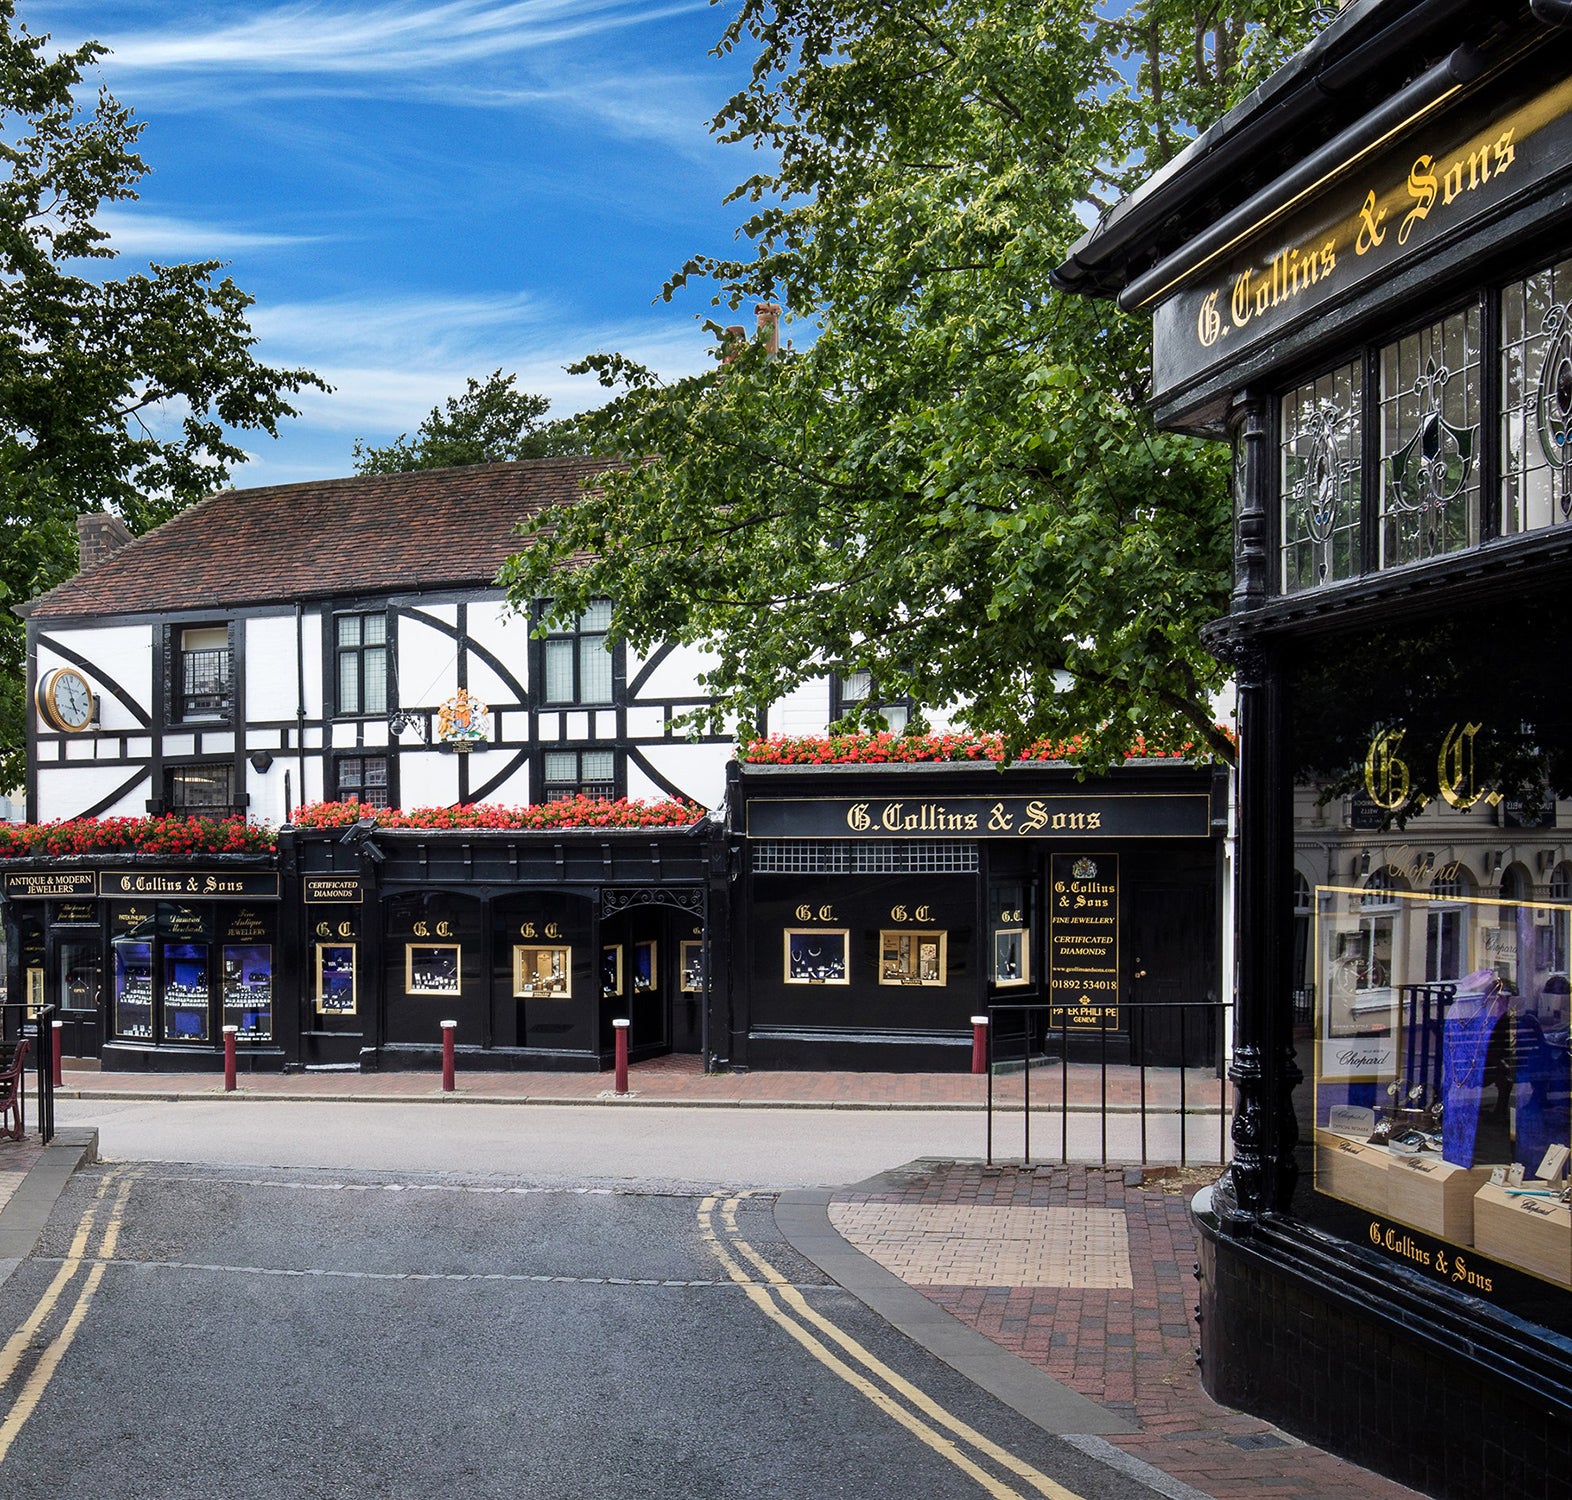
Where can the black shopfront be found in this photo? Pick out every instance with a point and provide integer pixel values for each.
(148, 960)
(881, 908)
(1360, 279)
(532, 942)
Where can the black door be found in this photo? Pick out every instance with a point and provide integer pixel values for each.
(1172, 976)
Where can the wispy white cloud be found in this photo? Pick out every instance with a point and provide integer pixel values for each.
(396, 37)
(390, 361)
(136, 232)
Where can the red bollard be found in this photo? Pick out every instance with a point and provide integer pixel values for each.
(620, 1030)
(979, 1044)
(448, 1069)
(229, 1058)
(55, 1029)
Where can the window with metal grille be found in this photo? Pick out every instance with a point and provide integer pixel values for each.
(363, 778)
(576, 658)
(576, 773)
(361, 654)
(202, 673)
(875, 857)
(206, 788)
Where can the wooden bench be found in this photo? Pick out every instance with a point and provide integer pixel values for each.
(13, 1080)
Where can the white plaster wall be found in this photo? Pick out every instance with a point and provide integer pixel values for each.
(506, 635)
(806, 710)
(699, 771)
(266, 791)
(427, 660)
(428, 779)
(272, 672)
(676, 677)
(67, 791)
(484, 764)
(646, 723)
(122, 652)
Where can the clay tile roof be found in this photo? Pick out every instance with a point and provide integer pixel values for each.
(372, 533)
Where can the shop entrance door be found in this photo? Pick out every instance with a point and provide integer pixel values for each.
(78, 968)
(1172, 967)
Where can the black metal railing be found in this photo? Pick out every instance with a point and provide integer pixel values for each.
(1169, 1038)
(35, 1024)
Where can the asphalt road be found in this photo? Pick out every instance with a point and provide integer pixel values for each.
(236, 1332)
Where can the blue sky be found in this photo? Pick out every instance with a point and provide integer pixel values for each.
(416, 193)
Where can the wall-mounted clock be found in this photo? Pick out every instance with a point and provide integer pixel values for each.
(65, 700)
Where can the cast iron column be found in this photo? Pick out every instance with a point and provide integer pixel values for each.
(1262, 1067)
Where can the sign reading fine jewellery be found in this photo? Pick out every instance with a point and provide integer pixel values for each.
(1083, 941)
(1176, 816)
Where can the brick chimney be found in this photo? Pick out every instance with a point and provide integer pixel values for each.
(733, 341)
(99, 536)
(768, 317)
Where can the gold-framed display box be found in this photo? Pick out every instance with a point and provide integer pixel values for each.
(542, 971)
(646, 976)
(1012, 957)
(815, 955)
(432, 968)
(611, 970)
(690, 958)
(334, 991)
(908, 957)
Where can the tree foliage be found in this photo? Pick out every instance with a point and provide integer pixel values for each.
(954, 484)
(491, 422)
(121, 394)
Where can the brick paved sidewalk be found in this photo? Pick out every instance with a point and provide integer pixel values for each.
(681, 1080)
(1092, 1280)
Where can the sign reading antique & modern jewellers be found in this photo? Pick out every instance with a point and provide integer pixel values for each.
(1083, 941)
(32, 885)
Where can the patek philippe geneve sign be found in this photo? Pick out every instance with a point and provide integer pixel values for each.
(1177, 816)
(1501, 146)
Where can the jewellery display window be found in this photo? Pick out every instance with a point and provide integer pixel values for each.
(35, 992)
(543, 971)
(644, 970)
(431, 968)
(611, 970)
(133, 989)
(248, 990)
(913, 958)
(335, 979)
(186, 992)
(690, 956)
(1011, 957)
(1444, 1063)
(816, 955)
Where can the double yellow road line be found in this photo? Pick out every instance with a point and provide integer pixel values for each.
(994, 1469)
(31, 1385)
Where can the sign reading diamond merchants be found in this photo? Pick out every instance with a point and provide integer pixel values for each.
(1083, 941)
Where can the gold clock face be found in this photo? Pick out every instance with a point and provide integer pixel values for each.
(65, 700)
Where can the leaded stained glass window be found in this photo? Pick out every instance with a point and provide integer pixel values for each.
(1429, 441)
(1322, 437)
(1536, 401)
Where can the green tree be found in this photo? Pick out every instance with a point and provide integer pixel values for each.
(490, 423)
(114, 393)
(954, 484)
